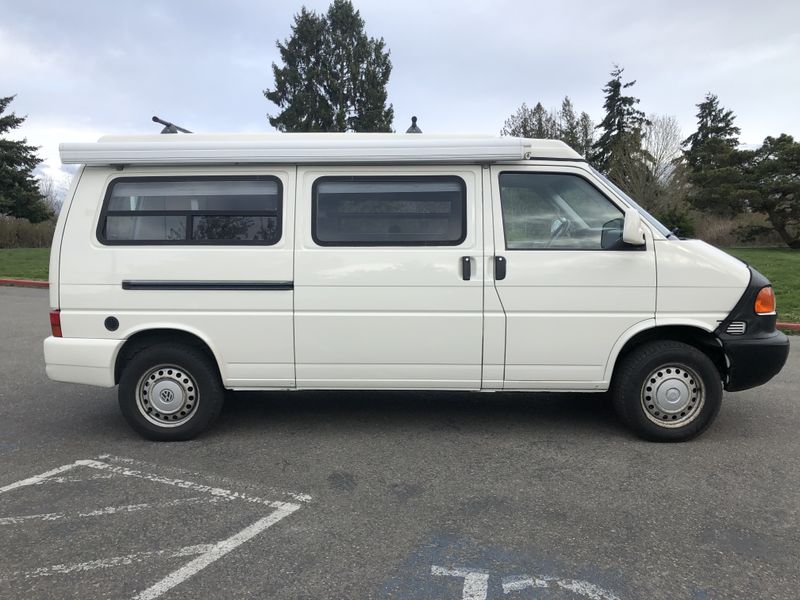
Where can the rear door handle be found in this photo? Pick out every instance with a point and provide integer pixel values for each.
(466, 268)
(499, 268)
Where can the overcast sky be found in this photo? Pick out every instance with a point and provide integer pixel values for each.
(86, 68)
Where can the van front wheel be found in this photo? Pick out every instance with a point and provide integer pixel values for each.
(170, 392)
(667, 391)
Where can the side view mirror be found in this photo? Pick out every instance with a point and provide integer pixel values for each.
(632, 228)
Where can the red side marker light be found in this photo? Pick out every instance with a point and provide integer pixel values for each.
(55, 323)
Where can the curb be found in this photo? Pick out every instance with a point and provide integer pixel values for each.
(789, 326)
(32, 283)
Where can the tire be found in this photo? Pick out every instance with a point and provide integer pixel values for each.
(667, 391)
(170, 392)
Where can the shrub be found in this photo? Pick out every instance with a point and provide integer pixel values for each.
(677, 218)
(727, 232)
(21, 233)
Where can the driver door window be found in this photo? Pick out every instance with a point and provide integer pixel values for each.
(556, 211)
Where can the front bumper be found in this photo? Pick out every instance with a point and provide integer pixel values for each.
(753, 361)
(79, 360)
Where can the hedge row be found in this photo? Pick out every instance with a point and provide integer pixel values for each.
(21, 233)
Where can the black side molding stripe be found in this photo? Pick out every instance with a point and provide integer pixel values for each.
(207, 285)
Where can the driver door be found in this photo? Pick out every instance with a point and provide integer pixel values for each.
(570, 289)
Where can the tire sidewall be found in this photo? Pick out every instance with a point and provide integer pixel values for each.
(641, 364)
(203, 372)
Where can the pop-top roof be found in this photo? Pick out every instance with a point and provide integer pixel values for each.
(309, 148)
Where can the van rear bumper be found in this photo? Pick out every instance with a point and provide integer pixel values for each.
(754, 361)
(79, 360)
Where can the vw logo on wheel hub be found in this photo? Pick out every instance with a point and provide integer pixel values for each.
(167, 395)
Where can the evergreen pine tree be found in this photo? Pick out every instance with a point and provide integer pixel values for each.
(569, 125)
(618, 151)
(585, 135)
(716, 134)
(520, 124)
(19, 192)
(770, 184)
(545, 124)
(563, 125)
(713, 161)
(333, 76)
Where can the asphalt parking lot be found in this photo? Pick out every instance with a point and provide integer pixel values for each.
(392, 495)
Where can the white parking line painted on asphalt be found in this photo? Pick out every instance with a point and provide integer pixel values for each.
(516, 583)
(36, 479)
(576, 586)
(216, 552)
(119, 459)
(105, 563)
(476, 583)
(181, 483)
(208, 553)
(75, 478)
(110, 510)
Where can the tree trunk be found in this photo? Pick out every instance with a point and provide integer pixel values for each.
(780, 226)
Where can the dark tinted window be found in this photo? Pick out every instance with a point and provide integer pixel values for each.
(199, 210)
(389, 211)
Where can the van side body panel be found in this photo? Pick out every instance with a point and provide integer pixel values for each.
(388, 316)
(698, 285)
(58, 235)
(250, 331)
(566, 309)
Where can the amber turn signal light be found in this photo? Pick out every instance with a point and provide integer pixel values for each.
(765, 301)
(55, 323)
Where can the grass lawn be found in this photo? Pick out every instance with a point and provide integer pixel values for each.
(782, 268)
(24, 263)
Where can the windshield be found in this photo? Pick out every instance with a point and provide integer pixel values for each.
(662, 229)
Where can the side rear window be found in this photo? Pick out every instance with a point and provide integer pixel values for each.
(192, 210)
(389, 211)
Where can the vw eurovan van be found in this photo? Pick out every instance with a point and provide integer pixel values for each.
(185, 266)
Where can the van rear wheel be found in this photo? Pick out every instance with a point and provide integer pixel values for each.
(170, 392)
(667, 391)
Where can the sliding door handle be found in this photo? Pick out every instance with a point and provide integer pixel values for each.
(499, 268)
(466, 268)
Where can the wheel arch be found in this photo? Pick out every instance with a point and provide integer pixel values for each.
(152, 336)
(699, 337)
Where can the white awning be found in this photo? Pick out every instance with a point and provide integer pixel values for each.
(321, 148)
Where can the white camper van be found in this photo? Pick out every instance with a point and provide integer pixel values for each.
(185, 265)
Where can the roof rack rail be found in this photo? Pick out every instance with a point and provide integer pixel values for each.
(169, 127)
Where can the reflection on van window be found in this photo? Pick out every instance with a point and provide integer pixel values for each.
(389, 211)
(146, 228)
(556, 211)
(200, 210)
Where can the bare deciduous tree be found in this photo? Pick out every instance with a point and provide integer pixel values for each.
(53, 192)
(657, 178)
(662, 139)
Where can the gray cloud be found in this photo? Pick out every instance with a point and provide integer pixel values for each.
(93, 67)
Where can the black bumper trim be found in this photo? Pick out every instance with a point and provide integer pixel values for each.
(754, 361)
(759, 354)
